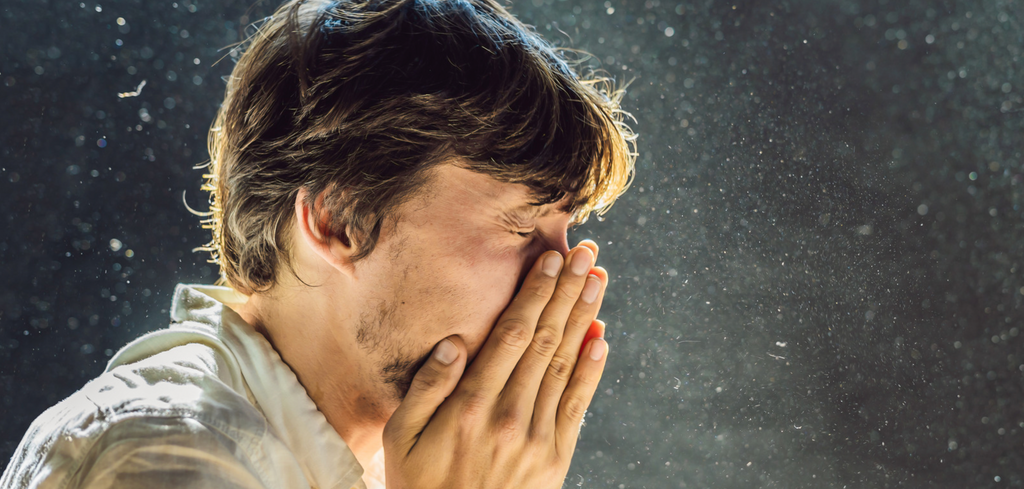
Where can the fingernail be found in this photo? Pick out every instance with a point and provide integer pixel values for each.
(446, 352)
(592, 242)
(591, 289)
(597, 349)
(596, 330)
(551, 265)
(580, 262)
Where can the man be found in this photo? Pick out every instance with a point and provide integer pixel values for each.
(392, 185)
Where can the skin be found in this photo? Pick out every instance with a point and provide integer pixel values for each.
(450, 268)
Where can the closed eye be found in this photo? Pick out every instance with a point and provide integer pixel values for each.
(525, 234)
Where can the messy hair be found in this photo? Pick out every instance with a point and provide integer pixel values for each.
(355, 101)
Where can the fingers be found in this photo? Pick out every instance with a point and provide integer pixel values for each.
(596, 331)
(578, 330)
(435, 380)
(577, 396)
(511, 336)
(575, 297)
(593, 247)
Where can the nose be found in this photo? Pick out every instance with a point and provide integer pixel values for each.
(558, 241)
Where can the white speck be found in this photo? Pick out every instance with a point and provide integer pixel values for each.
(672, 272)
(134, 93)
(781, 344)
(669, 32)
(115, 244)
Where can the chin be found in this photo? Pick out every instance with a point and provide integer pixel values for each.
(397, 375)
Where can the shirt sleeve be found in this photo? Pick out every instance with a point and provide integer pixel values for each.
(165, 453)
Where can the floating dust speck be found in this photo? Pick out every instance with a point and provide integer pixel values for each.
(133, 93)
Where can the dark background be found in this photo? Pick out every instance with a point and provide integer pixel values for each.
(816, 278)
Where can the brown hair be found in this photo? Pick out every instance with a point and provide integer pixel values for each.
(366, 96)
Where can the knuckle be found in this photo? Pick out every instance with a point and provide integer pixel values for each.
(515, 333)
(474, 406)
(560, 368)
(429, 381)
(574, 407)
(588, 378)
(537, 291)
(545, 341)
(509, 417)
(567, 294)
(508, 434)
(508, 424)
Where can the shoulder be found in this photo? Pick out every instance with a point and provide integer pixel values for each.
(183, 381)
(156, 452)
(74, 447)
(153, 414)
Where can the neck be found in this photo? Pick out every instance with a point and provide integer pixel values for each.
(306, 334)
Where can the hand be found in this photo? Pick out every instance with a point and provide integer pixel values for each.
(513, 419)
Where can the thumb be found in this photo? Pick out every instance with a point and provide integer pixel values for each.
(435, 380)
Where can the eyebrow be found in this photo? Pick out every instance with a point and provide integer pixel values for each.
(528, 211)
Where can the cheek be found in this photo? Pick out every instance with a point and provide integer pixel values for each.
(490, 286)
(490, 275)
(471, 288)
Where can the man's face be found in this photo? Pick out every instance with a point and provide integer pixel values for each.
(450, 266)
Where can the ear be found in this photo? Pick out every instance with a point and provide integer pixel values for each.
(336, 251)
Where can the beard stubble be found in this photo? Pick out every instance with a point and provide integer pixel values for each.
(377, 333)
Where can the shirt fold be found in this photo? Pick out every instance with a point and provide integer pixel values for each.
(206, 402)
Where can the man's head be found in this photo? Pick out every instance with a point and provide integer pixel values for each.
(346, 124)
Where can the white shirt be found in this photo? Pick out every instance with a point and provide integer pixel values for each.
(206, 403)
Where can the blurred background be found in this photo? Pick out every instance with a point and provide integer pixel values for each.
(816, 278)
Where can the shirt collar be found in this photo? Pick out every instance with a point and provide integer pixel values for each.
(325, 458)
